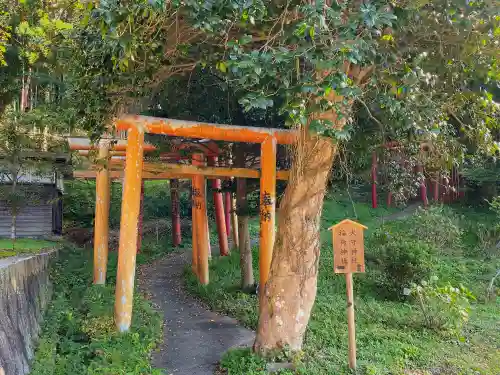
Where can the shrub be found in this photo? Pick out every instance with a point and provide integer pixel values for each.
(402, 261)
(442, 307)
(488, 241)
(437, 226)
(495, 205)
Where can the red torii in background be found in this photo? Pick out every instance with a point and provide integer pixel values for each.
(451, 186)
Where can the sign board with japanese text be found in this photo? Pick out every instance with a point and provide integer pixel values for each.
(348, 247)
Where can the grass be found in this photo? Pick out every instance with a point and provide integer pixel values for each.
(391, 338)
(23, 246)
(78, 335)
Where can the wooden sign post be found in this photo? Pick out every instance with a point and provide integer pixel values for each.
(349, 257)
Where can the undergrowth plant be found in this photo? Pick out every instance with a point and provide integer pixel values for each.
(443, 307)
(401, 261)
(436, 225)
(78, 334)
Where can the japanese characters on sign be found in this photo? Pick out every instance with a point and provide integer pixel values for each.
(348, 247)
(266, 202)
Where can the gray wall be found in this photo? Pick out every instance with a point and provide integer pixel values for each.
(25, 291)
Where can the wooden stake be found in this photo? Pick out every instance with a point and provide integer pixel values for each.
(350, 321)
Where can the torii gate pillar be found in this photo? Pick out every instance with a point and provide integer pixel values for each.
(128, 229)
(101, 220)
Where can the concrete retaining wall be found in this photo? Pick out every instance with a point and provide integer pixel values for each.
(25, 291)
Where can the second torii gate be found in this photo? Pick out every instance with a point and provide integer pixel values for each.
(137, 126)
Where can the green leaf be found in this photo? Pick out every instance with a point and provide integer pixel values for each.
(222, 66)
(312, 32)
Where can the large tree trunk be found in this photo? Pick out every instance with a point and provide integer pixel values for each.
(288, 298)
(245, 247)
(291, 290)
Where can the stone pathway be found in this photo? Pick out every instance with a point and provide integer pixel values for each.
(407, 211)
(194, 337)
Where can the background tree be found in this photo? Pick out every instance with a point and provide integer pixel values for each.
(26, 155)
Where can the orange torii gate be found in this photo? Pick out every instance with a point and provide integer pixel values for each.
(110, 151)
(137, 126)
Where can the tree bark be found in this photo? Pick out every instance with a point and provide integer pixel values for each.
(13, 227)
(291, 290)
(245, 247)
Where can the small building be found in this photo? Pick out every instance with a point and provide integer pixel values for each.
(40, 207)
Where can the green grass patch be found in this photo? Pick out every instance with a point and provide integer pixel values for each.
(391, 336)
(78, 334)
(24, 246)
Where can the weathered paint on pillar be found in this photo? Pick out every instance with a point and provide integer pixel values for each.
(128, 230)
(176, 214)
(201, 224)
(206, 220)
(101, 220)
(220, 220)
(208, 239)
(374, 180)
(141, 219)
(227, 211)
(267, 208)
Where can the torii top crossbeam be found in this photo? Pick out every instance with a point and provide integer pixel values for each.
(201, 130)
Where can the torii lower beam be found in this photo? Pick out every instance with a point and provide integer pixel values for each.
(183, 171)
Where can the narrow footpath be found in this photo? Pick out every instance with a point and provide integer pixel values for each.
(194, 337)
